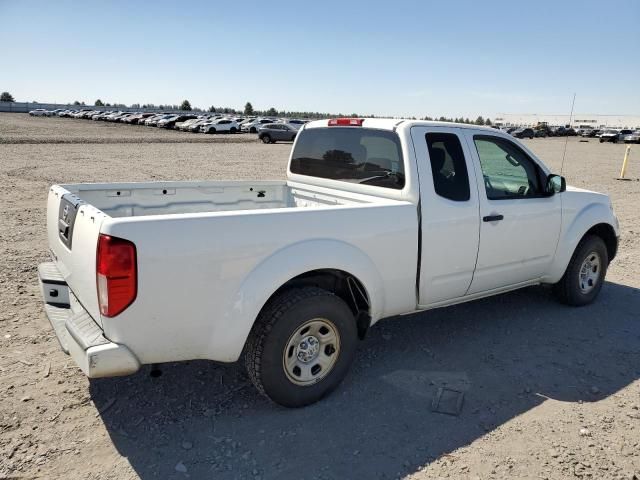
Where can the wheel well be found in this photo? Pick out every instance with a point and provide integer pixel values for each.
(608, 235)
(343, 285)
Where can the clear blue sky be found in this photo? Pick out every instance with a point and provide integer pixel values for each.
(398, 57)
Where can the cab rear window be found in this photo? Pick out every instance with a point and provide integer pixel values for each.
(357, 155)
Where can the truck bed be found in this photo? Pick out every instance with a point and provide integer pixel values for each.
(209, 255)
(168, 198)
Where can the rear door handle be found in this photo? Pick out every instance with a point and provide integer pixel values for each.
(492, 218)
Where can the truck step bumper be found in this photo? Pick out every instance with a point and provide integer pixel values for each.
(79, 335)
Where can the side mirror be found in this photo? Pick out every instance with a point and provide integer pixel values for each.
(556, 184)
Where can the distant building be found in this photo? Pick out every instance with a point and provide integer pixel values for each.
(579, 120)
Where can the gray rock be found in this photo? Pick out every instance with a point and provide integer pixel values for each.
(181, 467)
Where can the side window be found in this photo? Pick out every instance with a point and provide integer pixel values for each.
(450, 177)
(508, 172)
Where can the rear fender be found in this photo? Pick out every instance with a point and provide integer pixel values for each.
(264, 280)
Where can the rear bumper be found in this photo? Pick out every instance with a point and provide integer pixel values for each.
(79, 335)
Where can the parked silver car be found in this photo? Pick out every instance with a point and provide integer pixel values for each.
(274, 132)
(633, 137)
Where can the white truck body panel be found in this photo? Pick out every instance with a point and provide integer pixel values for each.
(450, 230)
(211, 254)
(307, 229)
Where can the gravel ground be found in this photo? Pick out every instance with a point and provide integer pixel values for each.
(550, 392)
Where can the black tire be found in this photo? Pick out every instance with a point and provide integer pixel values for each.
(271, 337)
(601, 140)
(211, 130)
(233, 130)
(253, 130)
(266, 139)
(569, 289)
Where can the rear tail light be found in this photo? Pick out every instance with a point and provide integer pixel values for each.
(116, 274)
(346, 122)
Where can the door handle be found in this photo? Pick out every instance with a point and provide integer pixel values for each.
(492, 218)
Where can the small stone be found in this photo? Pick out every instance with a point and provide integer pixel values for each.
(187, 445)
(584, 432)
(181, 467)
(26, 399)
(595, 390)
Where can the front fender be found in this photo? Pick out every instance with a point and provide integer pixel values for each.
(589, 216)
(273, 272)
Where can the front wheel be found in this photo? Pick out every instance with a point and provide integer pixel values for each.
(301, 346)
(266, 139)
(583, 279)
(233, 130)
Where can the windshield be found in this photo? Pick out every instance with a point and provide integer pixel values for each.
(358, 155)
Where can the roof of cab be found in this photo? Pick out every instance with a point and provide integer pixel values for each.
(393, 123)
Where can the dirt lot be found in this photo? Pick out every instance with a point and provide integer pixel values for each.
(550, 391)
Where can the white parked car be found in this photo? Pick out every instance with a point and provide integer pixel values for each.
(246, 120)
(185, 125)
(254, 125)
(221, 125)
(295, 122)
(377, 218)
(38, 112)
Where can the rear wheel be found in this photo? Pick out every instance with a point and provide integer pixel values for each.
(301, 346)
(253, 130)
(211, 130)
(266, 139)
(233, 130)
(584, 277)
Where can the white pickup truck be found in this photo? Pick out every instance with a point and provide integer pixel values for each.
(377, 218)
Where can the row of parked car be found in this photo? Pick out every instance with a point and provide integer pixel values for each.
(269, 130)
(613, 135)
(605, 135)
